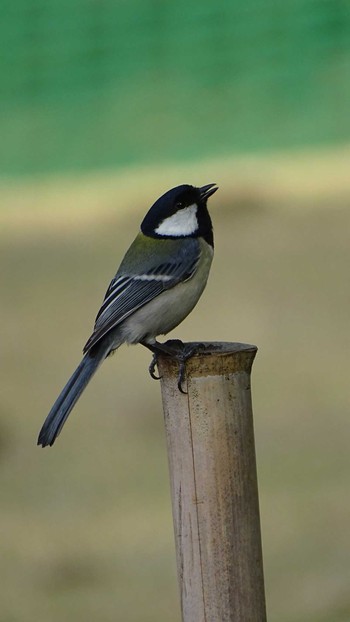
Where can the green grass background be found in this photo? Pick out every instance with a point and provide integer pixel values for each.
(86, 527)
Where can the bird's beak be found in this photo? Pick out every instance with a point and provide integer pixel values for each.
(207, 191)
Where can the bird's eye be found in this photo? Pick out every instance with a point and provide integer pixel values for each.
(179, 205)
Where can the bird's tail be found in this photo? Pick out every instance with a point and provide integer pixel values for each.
(59, 412)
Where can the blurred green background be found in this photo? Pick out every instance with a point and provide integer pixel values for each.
(95, 83)
(104, 106)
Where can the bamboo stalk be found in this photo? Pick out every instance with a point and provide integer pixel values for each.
(213, 477)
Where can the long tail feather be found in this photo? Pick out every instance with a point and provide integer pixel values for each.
(68, 397)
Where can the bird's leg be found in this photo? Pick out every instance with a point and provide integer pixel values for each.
(174, 348)
(156, 348)
(188, 350)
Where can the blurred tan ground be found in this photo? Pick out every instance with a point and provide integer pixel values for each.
(86, 531)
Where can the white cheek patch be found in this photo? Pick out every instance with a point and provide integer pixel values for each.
(183, 222)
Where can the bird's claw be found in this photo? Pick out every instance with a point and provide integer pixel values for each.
(186, 353)
(152, 367)
(181, 376)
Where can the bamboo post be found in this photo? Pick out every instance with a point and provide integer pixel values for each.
(211, 454)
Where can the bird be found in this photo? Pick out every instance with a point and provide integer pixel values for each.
(158, 283)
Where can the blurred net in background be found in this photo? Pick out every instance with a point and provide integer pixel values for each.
(95, 83)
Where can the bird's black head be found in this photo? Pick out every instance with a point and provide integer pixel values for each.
(179, 213)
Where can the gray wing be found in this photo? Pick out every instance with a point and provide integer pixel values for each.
(129, 292)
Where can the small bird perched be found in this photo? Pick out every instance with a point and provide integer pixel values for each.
(159, 281)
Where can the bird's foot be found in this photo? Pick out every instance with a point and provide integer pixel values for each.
(176, 349)
(185, 352)
(152, 367)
